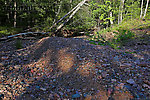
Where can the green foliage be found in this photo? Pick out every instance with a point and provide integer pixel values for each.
(100, 11)
(18, 44)
(96, 14)
(5, 31)
(123, 35)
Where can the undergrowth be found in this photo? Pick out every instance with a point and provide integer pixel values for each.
(18, 44)
(122, 33)
(5, 31)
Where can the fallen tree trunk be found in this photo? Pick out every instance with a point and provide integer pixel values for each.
(23, 34)
(74, 12)
(66, 15)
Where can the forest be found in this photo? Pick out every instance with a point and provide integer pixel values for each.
(74, 49)
(40, 15)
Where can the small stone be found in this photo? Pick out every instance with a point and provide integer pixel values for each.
(68, 90)
(61, 93)
(4, 58)
(99, 77)
(1, 64)
(43, 89)
(17, 67)
(121, 85)
(38, 87)
(1, 91)
(147, 82)
(131, 81)
(125, 65)
(85, 95)
(146, 86)
(56, 96)
(143, 64)
(104, 74)
(113, 80)
(77, 95)
(105, 65)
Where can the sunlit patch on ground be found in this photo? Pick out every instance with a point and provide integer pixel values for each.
(65, 60)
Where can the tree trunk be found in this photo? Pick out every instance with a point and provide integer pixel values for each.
(71, 16)
(71, 4)
(65, 15)
(146, 9)
(111, 15)
(141, 9)
(121, 11)
(15, 14)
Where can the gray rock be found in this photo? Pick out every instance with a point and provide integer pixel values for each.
(131, 81)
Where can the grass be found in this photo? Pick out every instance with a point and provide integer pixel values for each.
(5, 31)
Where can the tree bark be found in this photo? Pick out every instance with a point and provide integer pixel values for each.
(141, 9)
(111, 15)
(15, 13)
(121, 11)
(146, 9)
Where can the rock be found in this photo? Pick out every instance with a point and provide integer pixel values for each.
(113, 80)
(104, 74)
(77, 95)
(116, 58)
(37, 87)
(4, 58)
(147, 82)
(131, 81)
(146, 86)
(56, 96)
(1, 96)
(2, 64)
(17, 66)
(125, 65)
(43, 89)
(143, 64)
(105, 65)
(85, 95)
(120, 86)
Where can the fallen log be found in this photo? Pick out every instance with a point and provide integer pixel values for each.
(74, 12)
(23, 34)
(65, 15)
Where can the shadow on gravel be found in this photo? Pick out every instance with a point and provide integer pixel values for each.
(66, 68)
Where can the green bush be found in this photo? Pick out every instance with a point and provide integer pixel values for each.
(123, 35)
(120, 38)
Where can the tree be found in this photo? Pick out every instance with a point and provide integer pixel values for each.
(141, 9)
(146, 9)
(120, 16)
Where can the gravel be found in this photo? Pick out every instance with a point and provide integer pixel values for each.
(72, 68)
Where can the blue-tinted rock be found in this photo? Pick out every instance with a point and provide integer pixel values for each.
(131, 81)
(76, 96)
(38, 87)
